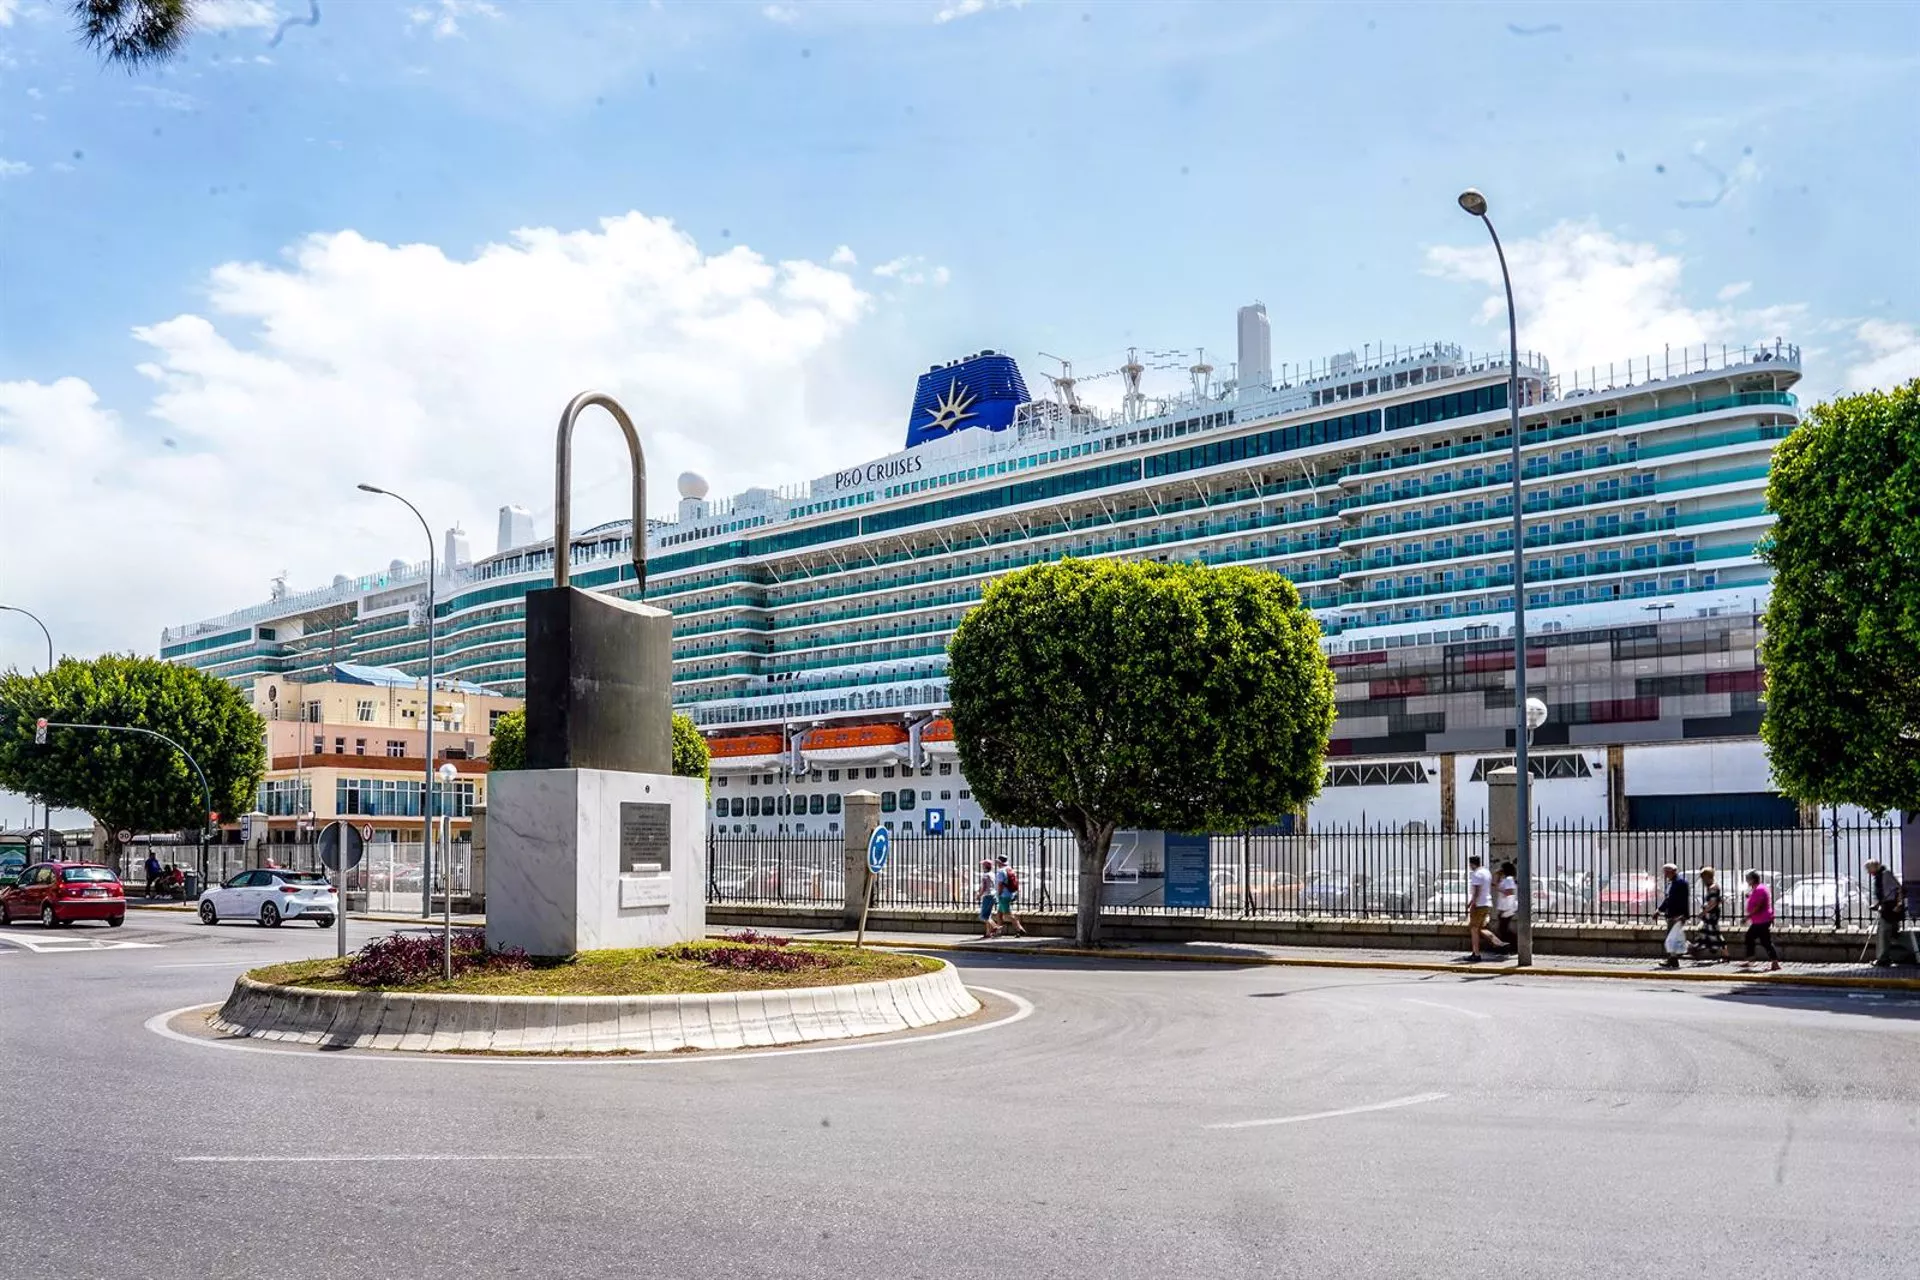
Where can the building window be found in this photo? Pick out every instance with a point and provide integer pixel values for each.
(753, 806)
(320, 745)
(946, 768)
(833, 803)
(926, 795)
(871, 772)
(946, 795)
(816, 803)
(363, 710)
(339, 746)
(359, 746)
(494, 718)
(833, 775)
(888, 802)
(396, 748)
(313, 713)
(906, 799)
(888, 772)
(965, 794)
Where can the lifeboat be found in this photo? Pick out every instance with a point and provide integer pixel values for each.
(744, 753)
(855, 744)
(936, 739)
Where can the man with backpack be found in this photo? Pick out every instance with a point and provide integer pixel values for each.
(1006, 886)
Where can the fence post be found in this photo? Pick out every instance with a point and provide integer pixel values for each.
(477, 857)
(862, 815)
(1045, 903)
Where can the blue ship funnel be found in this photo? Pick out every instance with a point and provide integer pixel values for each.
(980, 391)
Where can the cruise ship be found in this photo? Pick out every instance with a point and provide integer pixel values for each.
(811, 623)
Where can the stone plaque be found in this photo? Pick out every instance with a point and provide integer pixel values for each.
(646, 837)
(645, 891)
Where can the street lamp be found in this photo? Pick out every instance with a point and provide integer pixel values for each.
(447, 772)
(46, 832)
(426, 794)
(1476, 204)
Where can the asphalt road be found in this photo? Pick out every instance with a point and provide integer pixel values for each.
(1431, 1126)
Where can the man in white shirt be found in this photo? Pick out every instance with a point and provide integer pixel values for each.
(1479, 907)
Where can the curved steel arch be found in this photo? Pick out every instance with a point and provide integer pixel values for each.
(563, 485)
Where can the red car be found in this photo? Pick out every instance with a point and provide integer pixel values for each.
(59, 893)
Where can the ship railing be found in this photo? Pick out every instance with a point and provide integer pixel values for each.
(1674, 362)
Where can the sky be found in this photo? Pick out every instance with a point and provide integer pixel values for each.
(356, 240)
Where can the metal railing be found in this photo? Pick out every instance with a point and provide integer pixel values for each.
(1583, 874)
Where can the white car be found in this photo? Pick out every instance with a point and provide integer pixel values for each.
(270, 895)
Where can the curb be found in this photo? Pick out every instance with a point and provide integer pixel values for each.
(437, 1022)
(1508, 969)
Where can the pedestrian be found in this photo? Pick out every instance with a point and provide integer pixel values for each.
(1506, 906)
(1710, 945)
(1006, 887)
(1675, 908)
(1479, 908)
(987, 891)
(1759, 921)
(1891, 944)
(153, 872)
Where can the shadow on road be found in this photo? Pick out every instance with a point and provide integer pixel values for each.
(1901, 1006)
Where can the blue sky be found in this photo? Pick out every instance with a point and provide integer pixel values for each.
(230, 288)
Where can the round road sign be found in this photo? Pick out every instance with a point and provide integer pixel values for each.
(879, 845)
(123, 836)
(366, 831)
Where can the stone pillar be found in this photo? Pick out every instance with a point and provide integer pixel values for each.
(862, 816)
(477, 877)
(1909, 868)
(1503, 816)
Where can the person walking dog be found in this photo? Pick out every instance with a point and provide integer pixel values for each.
(1891, 944)
(1675, 908)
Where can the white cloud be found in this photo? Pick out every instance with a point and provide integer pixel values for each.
(7, 9)
(441, 377)
(233, 15)
(967, 8)
(911, 269)
(14, 168)
(843, 257)
(444, 16)
(783, 13)
(171, 99)
(1588, 298)
(1732, 291)
(1889, 355)
(33, 91)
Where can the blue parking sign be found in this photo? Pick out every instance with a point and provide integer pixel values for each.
(936, 822)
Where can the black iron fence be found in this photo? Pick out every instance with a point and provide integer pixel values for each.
(1581, 874)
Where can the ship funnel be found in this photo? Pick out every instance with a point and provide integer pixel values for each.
(1255, 366)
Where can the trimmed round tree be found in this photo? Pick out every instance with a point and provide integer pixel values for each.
(1842, 645)
(1101, 695)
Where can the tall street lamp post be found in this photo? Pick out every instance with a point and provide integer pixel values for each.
(447, 772)
(1476, 204)
(46, 831)
(426, 792)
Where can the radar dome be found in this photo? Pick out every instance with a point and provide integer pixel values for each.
(693, 485)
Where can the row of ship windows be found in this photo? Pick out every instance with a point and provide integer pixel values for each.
(786, 804)
(833, 775)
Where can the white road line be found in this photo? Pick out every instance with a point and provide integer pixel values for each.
(1450, 1008)
(65, 947)
(372, 1159)
(1413, 1100)
(1023, 1009)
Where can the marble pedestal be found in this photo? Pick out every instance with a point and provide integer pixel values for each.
(588, 859)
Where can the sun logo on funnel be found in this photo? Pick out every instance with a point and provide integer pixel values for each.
(950, 410)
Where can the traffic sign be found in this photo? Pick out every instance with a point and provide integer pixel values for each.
(336, 838)
(879, 845)
(936, 822)
(123, 836)
(366, 831)
(246, 828)
(40, 732)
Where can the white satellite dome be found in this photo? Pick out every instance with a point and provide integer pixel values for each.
(693, 485)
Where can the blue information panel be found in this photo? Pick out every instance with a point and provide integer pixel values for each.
(1189, 870)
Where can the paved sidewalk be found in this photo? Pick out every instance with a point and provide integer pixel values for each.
(1559, 966)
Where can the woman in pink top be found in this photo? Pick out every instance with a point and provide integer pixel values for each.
(1759, 920)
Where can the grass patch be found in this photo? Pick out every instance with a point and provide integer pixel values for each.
(636, 972)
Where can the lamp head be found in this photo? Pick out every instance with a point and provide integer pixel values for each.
(1536, 714)
(1473, 202)
(367, 488)
(447, 771)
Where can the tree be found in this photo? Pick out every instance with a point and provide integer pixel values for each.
(133, 33)
(127, 780)
(1099, 695)
(509, 749)
(1842, 641)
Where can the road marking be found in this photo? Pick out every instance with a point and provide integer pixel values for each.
(1023, 1009)
(1413, 1100)
(67, 947)
(1450, 1008)
(372, 1159)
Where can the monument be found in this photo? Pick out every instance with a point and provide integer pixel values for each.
(595, 844)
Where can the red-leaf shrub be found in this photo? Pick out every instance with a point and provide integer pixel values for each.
(400, 960)
(755, 959)
(750, 938)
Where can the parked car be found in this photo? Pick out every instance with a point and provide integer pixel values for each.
(60, 893)
(1327, 891)
(1632, 893)
(271, 895)
(1394, 892)
(1449, 897)
(1813, 900)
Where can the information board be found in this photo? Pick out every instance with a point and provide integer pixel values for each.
(1189, 870)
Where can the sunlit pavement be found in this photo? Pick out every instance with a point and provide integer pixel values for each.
(1149, 1119)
